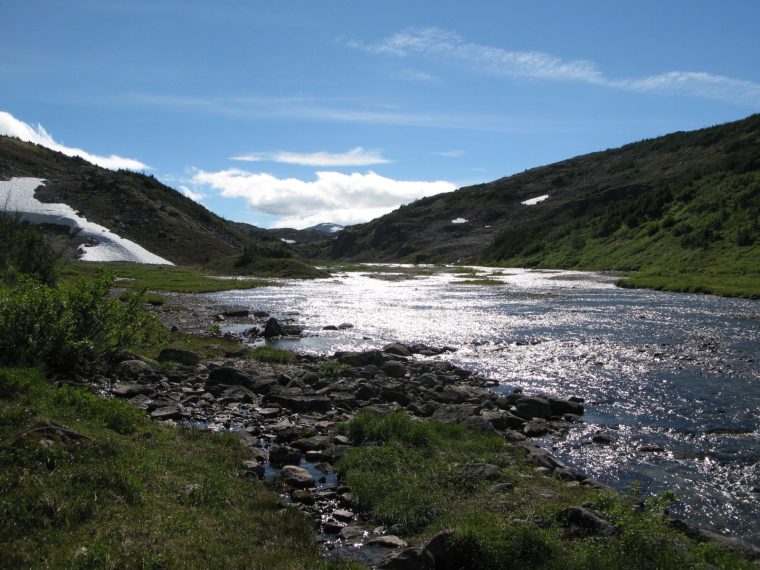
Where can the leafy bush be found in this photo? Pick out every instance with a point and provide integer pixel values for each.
(24, 251)
(70, 329)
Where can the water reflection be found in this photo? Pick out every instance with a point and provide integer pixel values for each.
(658, 370)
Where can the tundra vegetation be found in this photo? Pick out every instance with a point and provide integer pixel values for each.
(89, 482)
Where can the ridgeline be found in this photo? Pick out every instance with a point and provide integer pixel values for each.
(682, 209)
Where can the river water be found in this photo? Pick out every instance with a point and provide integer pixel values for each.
(668, 371)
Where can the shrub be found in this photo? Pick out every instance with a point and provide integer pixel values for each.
(24, 251)
(70, 329)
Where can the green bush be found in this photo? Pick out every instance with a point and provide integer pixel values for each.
(70, 329)
(24, 251)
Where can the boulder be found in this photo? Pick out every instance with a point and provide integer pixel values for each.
(229, 376)
(536, 427)
(274, 328)
(186, 357)
(585, 521)
(398, 349)
(529, 408)
(394, 369)
(280, 455)
(361, 359)
(133, 369)
(297, 477)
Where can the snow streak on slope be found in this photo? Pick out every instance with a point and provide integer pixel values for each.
(17, 196)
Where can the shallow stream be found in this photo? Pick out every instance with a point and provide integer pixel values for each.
(672, 379)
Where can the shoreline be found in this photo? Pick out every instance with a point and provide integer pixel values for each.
(265, 391)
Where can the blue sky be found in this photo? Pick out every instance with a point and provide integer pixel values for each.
(299, 112)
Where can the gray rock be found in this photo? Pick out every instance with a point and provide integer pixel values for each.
(186, 357)
(253, 469)
(130, 390)
(394, 369)
(280, 455)
(536, 427)
(297, 477)
(585, 521)
(408, 559)
(226, 375)
(133, 369)
(387, 541)
(398, 349)
(480, 424)
(166, 413)
(529, 408)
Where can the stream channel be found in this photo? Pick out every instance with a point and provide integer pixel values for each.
(671, 380)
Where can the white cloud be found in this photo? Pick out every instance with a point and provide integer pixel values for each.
(195, 196)
(435, 42)
(11, 126)
(696, 84)
(333, 197)
(449, 46)
(354, 157)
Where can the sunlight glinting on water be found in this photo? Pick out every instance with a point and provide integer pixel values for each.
(658, 370)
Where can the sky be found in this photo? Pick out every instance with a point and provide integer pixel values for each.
(289, 114)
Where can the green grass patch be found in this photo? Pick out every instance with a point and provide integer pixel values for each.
(271, 355)
(146, 497)
(428, 476)
(333, 368)
(162, 277)
(724, 285)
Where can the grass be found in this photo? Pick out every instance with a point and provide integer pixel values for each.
(424, 476)
(134, 494)
(205, 346)
(724, 285)
(162, 277)
(271, 355)
(333, 368)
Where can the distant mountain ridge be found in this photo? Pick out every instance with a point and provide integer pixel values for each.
(688, 199)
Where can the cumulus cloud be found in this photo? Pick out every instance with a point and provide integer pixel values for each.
(354, 157)
(11, 126)
(333, 197)
(445, 45)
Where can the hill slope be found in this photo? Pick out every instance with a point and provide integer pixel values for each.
(132, 205)
(687, 201)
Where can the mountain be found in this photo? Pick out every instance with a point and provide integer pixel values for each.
(287, 235)
(134, 206)
(685, 201)
(327, 228)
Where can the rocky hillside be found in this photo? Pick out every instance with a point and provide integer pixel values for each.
(132, 205)
(684, 199)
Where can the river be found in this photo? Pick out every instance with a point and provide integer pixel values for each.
(672, 380)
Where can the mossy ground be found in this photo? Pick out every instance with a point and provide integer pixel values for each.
(423, 475)
(133, 495)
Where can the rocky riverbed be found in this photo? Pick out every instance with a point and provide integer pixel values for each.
(288, 415)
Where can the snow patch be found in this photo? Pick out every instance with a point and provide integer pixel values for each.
(17, 196)
(459, 221)
(291, 241)
(535, 200)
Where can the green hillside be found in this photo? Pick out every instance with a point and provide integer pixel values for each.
(142, 209)
(685, 203)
